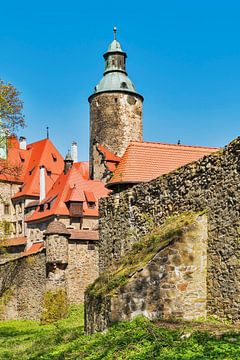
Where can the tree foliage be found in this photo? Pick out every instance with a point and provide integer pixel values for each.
(11, 106)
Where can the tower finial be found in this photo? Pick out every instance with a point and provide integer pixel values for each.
(115, 32)
(47, 132)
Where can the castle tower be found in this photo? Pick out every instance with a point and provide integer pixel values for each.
(115, 107)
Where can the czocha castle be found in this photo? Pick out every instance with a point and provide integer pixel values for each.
(163, 240)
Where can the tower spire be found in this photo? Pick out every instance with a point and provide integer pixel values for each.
(115, 32)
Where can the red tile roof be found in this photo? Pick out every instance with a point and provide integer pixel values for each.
(144, 161)
(40, 153)
(14, 168)
(15, 241)
(35, 247)
(62, 190)
(83, 235)
(111, 159)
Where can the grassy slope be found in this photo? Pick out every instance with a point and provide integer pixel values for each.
(139, 339)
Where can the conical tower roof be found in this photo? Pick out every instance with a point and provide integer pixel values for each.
(115, 77)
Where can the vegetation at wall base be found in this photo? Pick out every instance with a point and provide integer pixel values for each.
(139, 339)
(141, 253)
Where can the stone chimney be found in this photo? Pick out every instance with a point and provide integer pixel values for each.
(42, 183)
(74, 151)
(23, 143)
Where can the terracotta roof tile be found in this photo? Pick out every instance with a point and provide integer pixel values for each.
(35, 247)
(15, 241)
(84, 235)
(39, 154)
(60, 190)
(144, 161)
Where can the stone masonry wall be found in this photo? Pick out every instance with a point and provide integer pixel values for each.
(22, 287)
(82, 269)
(115, 120)
(212, 184)
(171, 284)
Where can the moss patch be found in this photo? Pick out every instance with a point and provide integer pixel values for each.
(142, 252)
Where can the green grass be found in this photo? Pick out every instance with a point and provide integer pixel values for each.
(139, 339)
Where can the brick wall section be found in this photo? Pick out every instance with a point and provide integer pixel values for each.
(212, 183)
(115, 120)
(22, 287)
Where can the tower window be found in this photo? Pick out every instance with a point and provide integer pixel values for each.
(116, 100)
(124, 85)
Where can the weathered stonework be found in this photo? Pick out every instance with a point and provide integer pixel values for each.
(115, 120)
(22, 287)
(82, 269)
(211, 184)
(171, 284)
(15, 214)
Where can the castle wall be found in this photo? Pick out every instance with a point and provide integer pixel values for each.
(82, 268)
(115, 120)
(171, 284)
(22, 287)
(210, 184)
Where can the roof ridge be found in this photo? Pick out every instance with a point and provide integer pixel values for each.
(177, 145)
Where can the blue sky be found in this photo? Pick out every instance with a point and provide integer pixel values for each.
(183, 56)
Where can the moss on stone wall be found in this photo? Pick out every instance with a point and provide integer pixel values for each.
(142, 252)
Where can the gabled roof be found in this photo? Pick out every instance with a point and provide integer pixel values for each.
(14, 167)
(40, 153)
(62, 192)
(144, 161)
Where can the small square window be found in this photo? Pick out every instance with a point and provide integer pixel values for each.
(91, 246)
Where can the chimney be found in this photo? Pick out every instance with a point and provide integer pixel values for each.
(68, 162)
(42, 183)
(74, 152)
(23, 143)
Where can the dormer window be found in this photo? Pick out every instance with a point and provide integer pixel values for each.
(31, 171)
(54, 157)
(91, 205)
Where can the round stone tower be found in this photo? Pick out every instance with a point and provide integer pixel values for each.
(115, 107)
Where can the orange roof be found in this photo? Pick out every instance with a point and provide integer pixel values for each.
(144, 161)
(15, 241)
(111, 159)
(40, 153)
(61, 192)
(109, 156)
(14, 168)
(35, 247)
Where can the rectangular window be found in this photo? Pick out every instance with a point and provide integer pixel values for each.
(6, 209)
(91, 246)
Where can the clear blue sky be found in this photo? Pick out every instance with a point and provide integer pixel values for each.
(183, 56)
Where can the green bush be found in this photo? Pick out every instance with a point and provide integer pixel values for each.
(55, 306)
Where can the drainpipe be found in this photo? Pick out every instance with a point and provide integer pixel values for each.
(42, 183)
